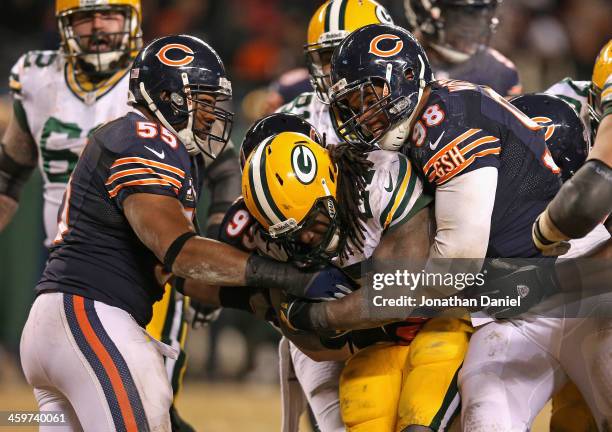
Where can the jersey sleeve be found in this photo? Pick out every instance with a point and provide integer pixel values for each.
(15, 84)
(146, 165)
(299, 106)
(395, 192)
(236, 227)
(447, 141)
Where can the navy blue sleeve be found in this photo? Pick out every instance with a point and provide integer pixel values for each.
(237, 227)
(146, 159)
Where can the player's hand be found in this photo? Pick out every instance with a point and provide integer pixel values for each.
(295, 314)
(203, 314)
(328, 283)
(545, 245)
(531, 284)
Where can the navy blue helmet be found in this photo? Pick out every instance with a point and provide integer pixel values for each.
(169, 77)
(273, 125)
(379, 73)
(455, 29)
(565, 135)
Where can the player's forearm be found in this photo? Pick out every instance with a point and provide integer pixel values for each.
(583, 202)
(349, 313)
(8, 207)
(211, 262)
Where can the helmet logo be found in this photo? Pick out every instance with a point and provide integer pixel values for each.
(374, 49)
(304, 164)
(383, 16)
(187, 58)
(546, 123)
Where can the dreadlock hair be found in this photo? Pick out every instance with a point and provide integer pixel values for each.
(353, 166)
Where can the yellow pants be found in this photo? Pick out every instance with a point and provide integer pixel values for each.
(570, 413)
(168, 325)
(385, 388)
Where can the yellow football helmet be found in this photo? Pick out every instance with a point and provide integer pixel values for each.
(124, 45)
(287, 181)
(330, 24)
(601, 72)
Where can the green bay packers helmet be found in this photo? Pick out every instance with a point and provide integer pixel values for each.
(124, 45)
(601, 74)
(331, 23)
(287, 181)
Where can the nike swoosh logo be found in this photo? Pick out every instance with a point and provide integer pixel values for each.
(390, 187)
(435, 144)
(160, 155)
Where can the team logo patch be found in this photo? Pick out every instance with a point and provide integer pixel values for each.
(304, 164)
(376, 49)
(546, 123)
(186, 58)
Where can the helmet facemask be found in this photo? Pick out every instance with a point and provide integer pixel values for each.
(100, 54)
(318, 59)
(209, 138)
(366, 113)
(307, 255)
(465, 31)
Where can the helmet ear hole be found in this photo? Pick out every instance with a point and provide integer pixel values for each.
(409, 74)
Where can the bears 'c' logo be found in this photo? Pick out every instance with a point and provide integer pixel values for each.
(546, 123)
(374, 49)
(184, 61)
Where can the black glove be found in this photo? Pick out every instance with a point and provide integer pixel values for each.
(324, 283)
(531, 284)
(203, 314)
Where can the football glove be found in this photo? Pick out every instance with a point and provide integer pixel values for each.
(543, 244)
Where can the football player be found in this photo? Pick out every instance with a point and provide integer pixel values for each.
(129, 205)
(60, 97)
(297, 196)
(569, 409)
(456, 35)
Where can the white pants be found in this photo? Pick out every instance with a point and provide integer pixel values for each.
(96, 365)
(513, 367)
(316, 381)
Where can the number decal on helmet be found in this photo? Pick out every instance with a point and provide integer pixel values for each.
(304, 164)
(187, 58)
(374, 45)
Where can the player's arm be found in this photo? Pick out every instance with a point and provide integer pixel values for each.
(408, 241)
(18, 156)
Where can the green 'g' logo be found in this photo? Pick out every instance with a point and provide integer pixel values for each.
(304, 164)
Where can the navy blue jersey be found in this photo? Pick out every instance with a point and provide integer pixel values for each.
(238, 227)
(487, 67)
(97, 254)
(464, 127)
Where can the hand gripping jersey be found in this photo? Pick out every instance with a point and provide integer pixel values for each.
(487, 67)
(464, 127)
(97, 255)
(60, 116)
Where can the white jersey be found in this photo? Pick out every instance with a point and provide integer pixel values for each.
(394, 192)
(576, 94)
(311, 109)
(60, 117)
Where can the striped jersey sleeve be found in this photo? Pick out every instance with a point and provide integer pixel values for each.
(395, 192)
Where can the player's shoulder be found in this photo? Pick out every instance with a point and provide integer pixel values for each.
(570, 88)
(497, 58)
(134, 135)
(35, 67)
(301, 104)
